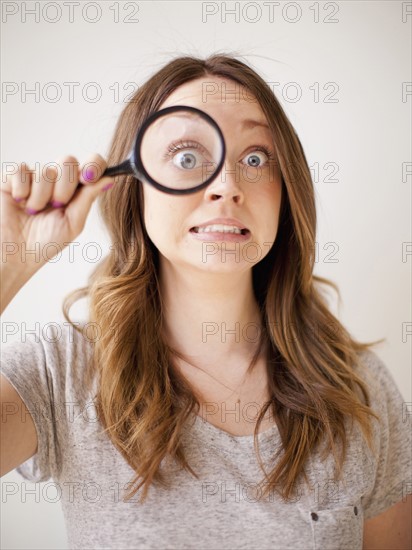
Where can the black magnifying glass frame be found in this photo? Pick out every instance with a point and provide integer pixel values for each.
(133, 164)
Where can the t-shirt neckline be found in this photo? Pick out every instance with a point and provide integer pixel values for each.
(208, 429)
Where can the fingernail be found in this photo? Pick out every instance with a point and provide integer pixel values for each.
(31, 211)
(89, 174)
(108, 186)
(57, 204)
(18, 199)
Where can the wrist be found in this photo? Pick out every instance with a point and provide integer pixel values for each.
(12, 279)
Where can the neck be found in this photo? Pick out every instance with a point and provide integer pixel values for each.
(213, 318)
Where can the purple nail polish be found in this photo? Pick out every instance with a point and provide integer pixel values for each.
(18, 199)
(108, 186)
(89, 174)
(57, 204)
(31, 211)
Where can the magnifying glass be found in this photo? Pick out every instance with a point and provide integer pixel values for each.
(178, 150)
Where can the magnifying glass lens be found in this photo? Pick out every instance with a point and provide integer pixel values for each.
(181, 150)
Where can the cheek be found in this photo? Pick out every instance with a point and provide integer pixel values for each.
(269, 205)
(155, 217)
(165, 216)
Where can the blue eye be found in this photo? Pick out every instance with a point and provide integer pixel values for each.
(185, 155)
(185, 160)
(255, 160)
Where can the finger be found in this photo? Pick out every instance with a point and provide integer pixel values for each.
(19, 183)
(92, 170)
(41, 189)
(66, 182)
(6, 184)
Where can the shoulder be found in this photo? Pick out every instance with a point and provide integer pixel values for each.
(371, 364)
(386, 398)
(55, 355)
(71, 350)
(378, 377)
(387, 472)
(57, 336)
(65, 342)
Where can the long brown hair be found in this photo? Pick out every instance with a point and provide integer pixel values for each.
(142, 401)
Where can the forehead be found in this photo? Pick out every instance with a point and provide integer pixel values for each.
(222, 98)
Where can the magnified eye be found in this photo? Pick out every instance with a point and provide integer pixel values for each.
(186, 155)
(185, 160)
(256, 160)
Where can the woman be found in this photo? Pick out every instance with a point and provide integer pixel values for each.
(177, 426)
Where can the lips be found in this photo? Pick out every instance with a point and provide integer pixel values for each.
(195, 229)
(228, 222)
(216, 236)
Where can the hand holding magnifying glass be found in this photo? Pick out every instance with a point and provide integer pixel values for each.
(178, 150)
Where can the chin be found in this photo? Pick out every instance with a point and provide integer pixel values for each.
(230, 266)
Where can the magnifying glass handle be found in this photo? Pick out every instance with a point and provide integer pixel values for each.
(124, 167)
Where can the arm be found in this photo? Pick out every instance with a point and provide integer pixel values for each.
(12, 280)
(18, 435)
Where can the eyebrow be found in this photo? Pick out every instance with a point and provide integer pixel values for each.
(249, 124)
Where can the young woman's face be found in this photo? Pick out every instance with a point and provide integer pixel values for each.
(234, 193)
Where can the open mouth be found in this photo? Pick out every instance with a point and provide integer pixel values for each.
(234, 230)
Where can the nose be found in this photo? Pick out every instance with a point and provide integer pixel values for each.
(226, 186)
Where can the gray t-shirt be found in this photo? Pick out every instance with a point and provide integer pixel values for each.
(220, 509)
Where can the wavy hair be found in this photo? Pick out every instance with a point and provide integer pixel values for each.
(142, 401)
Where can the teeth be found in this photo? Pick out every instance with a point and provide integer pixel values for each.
(219, 228)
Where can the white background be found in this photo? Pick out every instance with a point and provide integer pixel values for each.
(366, 133)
